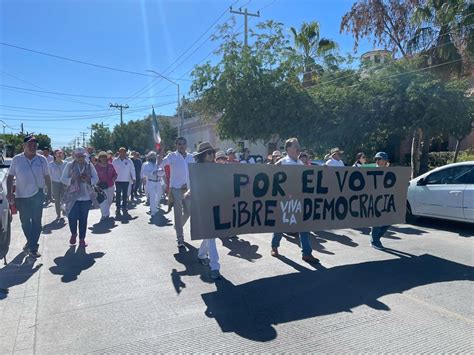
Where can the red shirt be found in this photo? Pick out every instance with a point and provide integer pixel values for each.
(106, 173)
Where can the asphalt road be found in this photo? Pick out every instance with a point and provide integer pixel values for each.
(132, 291)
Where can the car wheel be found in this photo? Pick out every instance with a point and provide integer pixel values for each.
(5, 238)
(410, 217)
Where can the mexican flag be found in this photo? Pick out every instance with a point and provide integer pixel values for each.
(156, 130)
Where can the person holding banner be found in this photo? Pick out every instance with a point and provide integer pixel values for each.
(292, 148)
(335, 158)
(207, 253)
(179, 183)
(381, 160)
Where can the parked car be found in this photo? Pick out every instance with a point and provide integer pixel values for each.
(446, 192)
(5, 214)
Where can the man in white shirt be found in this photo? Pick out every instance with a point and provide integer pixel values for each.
(125, 173)
(335, 158)
(292, 148)
(32, 175)
(179, 184)
(152, 173)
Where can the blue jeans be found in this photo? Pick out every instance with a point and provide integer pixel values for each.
(304, 242)
(31, 212)
(378, 232)
(79, 214)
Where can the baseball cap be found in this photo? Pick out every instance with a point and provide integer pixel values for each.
(30, 138)
(381, 155)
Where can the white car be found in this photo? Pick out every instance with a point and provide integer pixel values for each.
(446, 192)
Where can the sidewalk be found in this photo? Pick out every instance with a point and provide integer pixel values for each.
(131, 291)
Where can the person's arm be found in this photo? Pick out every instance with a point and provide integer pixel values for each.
(47, 177)
(66, 176)
(10, 195)
(10, 178)
(114, 173)
(94, 176)
(132, 172)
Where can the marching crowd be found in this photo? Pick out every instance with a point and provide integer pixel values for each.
(89, 178)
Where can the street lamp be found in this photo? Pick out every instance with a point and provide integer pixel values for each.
(180, 117)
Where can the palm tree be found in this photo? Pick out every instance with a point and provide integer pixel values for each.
(317, 53)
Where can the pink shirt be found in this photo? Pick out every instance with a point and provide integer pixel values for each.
(107, 174)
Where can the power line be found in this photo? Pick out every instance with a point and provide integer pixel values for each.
(68, 94)
(82, 118)
(21, 108)
(74, 60)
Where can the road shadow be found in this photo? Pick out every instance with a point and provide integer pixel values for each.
(189, 258)
(54, 225)
(252, 309)
(17, 272)
(389, 234)
(240, 248)
(339, 238)
(462, 229)
(73, 263)
(103, 227)
(125, 218)
(160, 220)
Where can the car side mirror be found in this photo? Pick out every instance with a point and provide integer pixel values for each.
(421, 182)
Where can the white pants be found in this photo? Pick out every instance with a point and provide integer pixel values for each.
(154, 191)
(208, 248)
(105, 205)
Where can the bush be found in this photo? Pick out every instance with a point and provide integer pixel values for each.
(437, 159)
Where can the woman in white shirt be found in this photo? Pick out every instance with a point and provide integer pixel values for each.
(79, 176)
(56, 169)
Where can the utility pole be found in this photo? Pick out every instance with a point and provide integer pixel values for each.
(83, 134)
(91, 128)
(246, 14)
(22, 128)
(121, 107)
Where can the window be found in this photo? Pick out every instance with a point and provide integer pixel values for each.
(455, 175)
(377, 59)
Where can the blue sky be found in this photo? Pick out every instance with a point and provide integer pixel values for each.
(133, 35)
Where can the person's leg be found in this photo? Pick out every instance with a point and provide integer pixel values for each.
(73, 218)
(24, 209)
(203, 249)
(159, 194)
(126, 194)
(110, 196)
(56, 186)
(305, 243)
(186, 209)
(104, 207)
(178, 213)
(377, 233)
(36, 216)
(152, 190)
(84, 207)
(213, 254)
(276, 239)
(118, 193)
(62, 190)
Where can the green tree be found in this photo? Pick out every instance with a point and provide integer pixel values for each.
(317, 53)
(101, 138)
